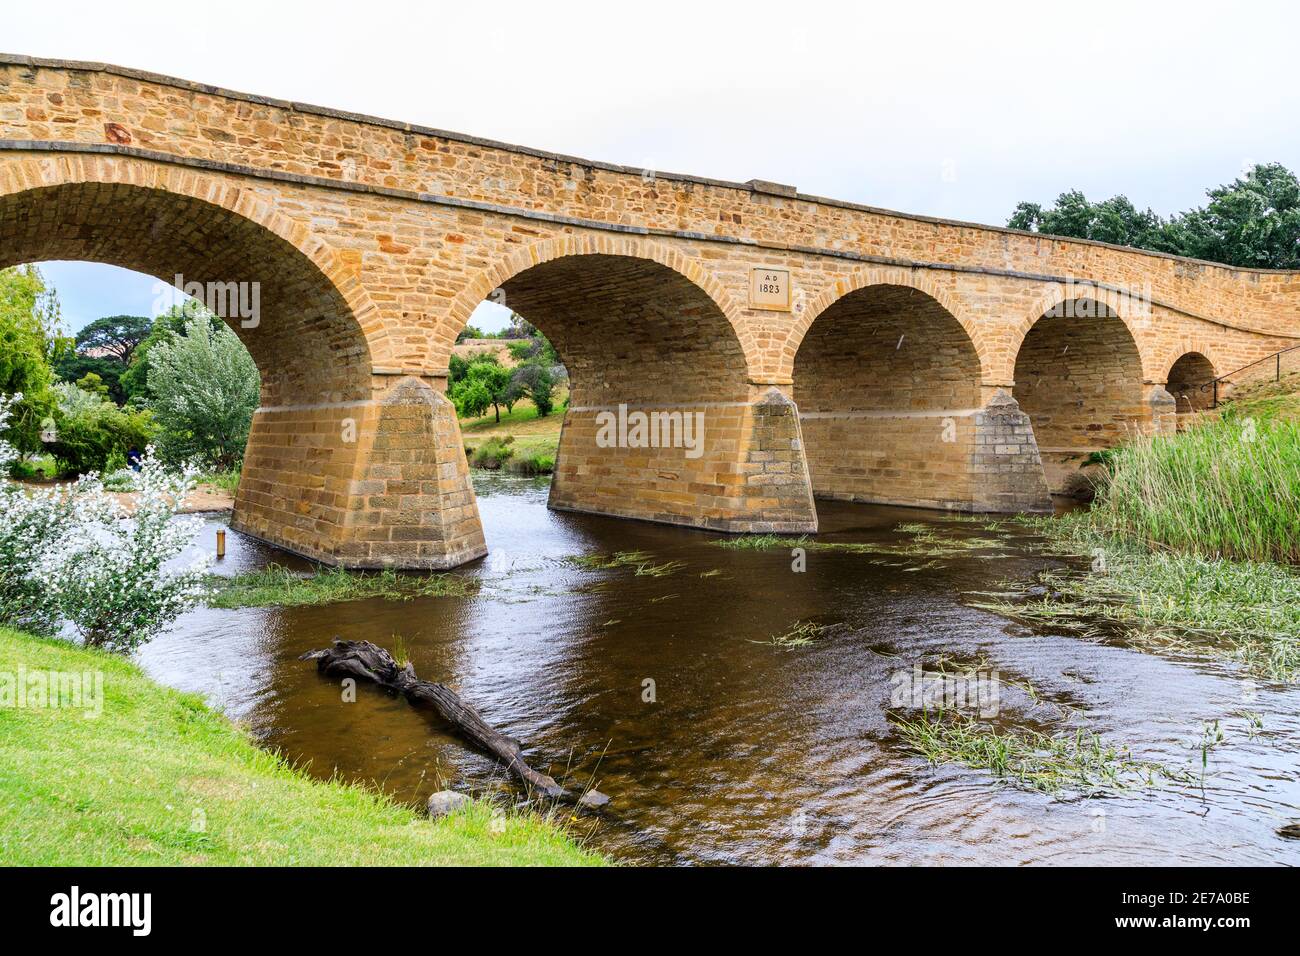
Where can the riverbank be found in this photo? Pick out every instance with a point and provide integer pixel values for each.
(1193, 541)
(144, 775)
(521, 441)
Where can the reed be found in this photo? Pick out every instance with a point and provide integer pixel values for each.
(1226, 488)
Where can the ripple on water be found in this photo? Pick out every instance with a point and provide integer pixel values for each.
(750, 753)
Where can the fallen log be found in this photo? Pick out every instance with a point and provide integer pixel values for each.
(367, 661)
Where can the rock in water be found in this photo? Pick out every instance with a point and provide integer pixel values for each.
(445, 801)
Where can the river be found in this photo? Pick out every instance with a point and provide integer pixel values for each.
(740, 751)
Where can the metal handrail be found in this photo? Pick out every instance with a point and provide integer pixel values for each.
(1214, 382)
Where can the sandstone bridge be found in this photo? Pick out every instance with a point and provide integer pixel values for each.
(835, 350)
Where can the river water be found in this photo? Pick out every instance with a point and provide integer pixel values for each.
(739, 751)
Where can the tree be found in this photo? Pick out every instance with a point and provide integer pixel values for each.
(166, 327)
(533, 381)
(536, 346)
(470, 332)
(204, 387)
(88, 430)
(1254, 222)
(519, 328)
(73, 368)
(115, 336)
(485, 382)
(91, 382)
(1115, 220)
(29, 344)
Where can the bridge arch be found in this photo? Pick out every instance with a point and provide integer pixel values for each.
(882, 276)
(310, 327)
(308, 339)
(1079, 376)
(887, 380)
(648, 334)
(1189, 380)
(497, 278)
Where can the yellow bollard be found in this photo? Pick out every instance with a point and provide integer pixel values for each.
(221, 542)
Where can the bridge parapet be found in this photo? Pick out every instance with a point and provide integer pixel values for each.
(905, 359)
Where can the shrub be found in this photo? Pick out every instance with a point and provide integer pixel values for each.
(72, 554)
(32, 521)
(90, 430)
(494, 452)
(536, 464)
(120, 479)
(39, 469)
(204, 387)
(105, 571)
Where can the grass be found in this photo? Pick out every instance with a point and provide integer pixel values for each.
(278, 586)
(227, 481)
(642, 563)
(1050, 763)
(1193, 537)
(1246, 611)
(493, 453)
(802, 634)
(927, 541)
(1227, 488)
(535, 441)
(160, 779)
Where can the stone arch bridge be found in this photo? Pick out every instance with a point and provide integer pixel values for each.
(832, 350)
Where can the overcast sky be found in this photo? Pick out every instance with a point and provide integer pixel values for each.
(949, 109)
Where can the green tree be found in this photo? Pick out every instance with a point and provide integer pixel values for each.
(485, 383)
(203, 388)
(166, 327)
(90, 430)
(1254, 222)
(73, 367)
(29, 344)
(91, 382)
(114, 336)
(1115, 220)
(533, 380)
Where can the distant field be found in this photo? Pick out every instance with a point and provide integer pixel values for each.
(532, 435)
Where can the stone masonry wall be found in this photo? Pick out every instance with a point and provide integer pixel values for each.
(373, 241)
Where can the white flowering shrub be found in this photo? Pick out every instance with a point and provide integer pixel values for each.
(31, 521)
(74, 554)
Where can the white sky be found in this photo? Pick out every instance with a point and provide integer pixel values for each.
(949, 109)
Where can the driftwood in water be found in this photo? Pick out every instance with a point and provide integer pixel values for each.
(367, 661)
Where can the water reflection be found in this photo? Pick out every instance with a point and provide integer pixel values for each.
(749, 753)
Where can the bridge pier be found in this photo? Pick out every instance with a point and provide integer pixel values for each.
(1006, 469)
(740, 469)
(367, 484)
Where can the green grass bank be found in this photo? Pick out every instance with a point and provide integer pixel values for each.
(158, 778)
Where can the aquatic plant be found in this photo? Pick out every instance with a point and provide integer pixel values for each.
(1246, 611)
(1222, 488)
(278, 586)
(1081, 760)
